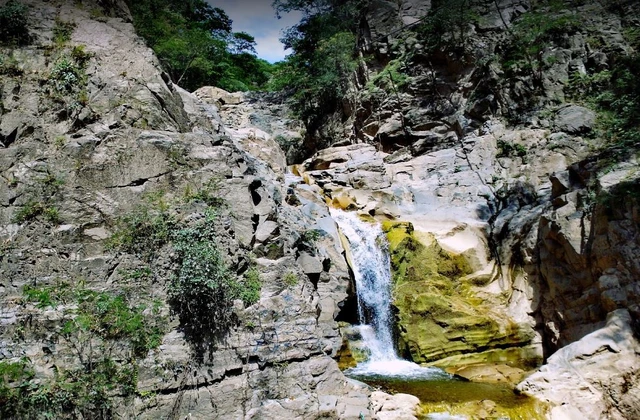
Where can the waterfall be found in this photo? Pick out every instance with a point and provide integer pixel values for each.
(372, 272)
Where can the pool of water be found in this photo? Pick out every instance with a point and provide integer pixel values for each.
(443, 396)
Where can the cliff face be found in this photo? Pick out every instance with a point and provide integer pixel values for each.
(119, 187)
(500, 159)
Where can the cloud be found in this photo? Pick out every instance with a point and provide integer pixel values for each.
(258, 18)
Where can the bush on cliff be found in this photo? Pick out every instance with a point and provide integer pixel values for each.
(13, 23)
(324, 56)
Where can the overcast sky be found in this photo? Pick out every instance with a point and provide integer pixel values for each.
(257, 18)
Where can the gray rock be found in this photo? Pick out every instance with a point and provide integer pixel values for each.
(575, 119)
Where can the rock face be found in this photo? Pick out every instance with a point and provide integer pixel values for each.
(128, 143)
(490, 170)
(438, 315)
(595, 377)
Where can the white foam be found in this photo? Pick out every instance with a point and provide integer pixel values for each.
(396, 369)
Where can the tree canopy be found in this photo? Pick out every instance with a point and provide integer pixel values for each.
(323, 49)
(196, 44)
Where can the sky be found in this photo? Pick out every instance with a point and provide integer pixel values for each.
(257, 18)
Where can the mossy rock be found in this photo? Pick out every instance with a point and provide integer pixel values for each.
(438, 314)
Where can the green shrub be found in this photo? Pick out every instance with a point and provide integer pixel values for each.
(507, 149)
(290, 279)
(96, 324)
(391, 78)
(13, 23)
(615, 95)
(208, 194)
(62, 31)
(40, 203)
(248, 289)
(66, 76)
(203, 290)
(14, 381)
(80, 55)
(78, 393)
(47, 296)
(112, 317)
(534, 32)
(203, 287)
(143, 231)
(32, 209)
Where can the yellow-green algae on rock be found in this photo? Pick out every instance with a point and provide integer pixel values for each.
(438, 314)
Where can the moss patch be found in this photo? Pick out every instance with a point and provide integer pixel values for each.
(438, 314)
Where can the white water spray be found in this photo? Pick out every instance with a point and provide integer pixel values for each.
(372, 272)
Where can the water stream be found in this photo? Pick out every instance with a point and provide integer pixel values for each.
(372, 272)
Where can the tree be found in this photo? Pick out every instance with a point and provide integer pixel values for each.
(242, 42)
(324, 55)
(196, 45)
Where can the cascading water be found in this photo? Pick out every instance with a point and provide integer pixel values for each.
(372, 272)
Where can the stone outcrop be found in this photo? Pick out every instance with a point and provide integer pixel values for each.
(595, 377)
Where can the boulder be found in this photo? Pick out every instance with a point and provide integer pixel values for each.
(595, 377)
(574, 119)
(394, 407)
(215, 95)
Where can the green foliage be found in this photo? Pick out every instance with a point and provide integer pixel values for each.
(96, 322)
(100, 314)
(615, 95)
(620, 199)
(446, 24)
(391, 78)
(290, 279)
(66, 76)
(323, 44)
(80, 56)
(534, 32)
(32, 209)
(77, 393)
(13, 23)
(42, 193)
(47, 296)
(203, 287)
(311, 235)
(203, 290)
(508, 149)
(14, 381)
(114, 318)
(248, 290)
(62, 31)
(143, 231)
(208, 194)
(196, 46)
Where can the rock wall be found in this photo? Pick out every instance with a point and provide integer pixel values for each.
(495, 165)
(79, 160)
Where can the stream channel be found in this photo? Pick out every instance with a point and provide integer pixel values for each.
(442, 396)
